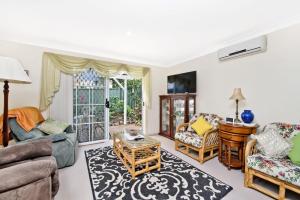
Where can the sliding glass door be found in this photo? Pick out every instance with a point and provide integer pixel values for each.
(125, 95)
(103, 106)
(89, 111)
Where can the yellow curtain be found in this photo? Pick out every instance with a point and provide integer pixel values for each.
(54, 64)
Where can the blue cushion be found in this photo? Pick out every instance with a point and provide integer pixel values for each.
(37, 133)
(18, 131)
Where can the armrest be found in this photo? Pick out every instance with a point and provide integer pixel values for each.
(250, 148)
(24, 151)
(183, 125)
(210, 137)
(69, 129)
(25, 173)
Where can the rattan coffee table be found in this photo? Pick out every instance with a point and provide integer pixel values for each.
(137, 156)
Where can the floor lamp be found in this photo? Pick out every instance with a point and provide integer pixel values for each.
(11, 71)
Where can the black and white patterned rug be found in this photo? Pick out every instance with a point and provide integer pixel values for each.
(176, 179)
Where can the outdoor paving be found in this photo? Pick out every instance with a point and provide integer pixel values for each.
(119, 128)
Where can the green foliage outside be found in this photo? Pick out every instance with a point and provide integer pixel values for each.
(134, 104)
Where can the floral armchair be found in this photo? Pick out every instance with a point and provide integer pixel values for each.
(281, 172)
(188, 141)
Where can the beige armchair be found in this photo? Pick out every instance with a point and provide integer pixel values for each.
(201, 148)
(28, 171)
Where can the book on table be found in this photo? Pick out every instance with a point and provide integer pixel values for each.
(132, 137)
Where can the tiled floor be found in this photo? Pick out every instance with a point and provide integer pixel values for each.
(75, 183)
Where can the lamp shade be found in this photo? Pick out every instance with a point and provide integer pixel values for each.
(237, 94)
(11, 70)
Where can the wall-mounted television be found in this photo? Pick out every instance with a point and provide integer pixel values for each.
(181, 83)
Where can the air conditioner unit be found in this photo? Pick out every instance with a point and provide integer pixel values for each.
(252, 46)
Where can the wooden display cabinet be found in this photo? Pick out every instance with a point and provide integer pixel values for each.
(175, 109)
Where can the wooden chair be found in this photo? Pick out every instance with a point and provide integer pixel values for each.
(209, 144)
(250, 173)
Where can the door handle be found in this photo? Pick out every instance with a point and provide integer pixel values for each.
(106, 103)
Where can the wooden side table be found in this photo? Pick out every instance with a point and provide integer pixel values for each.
(232, 143)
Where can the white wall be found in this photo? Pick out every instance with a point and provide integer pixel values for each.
(270, 81)
(152, 119)
(29, 95)
(31, 58)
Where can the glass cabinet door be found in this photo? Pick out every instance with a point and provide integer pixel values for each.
(191, 107)
(178, 113)
(165, 115)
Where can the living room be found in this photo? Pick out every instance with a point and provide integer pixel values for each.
(108, 83)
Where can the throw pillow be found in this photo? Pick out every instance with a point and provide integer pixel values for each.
(18, 131)
(294, 154)
(192, 120)
(201, 126)
(268, 140)
(51, 126)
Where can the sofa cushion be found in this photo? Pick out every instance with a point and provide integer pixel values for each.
(64, 148)
(51, 126)
(189, 138)
(18, 131)
(281, 168)
(58, 137)
(270, 138)
(64, 145)
(294, 154)
(213, 119)
(37, 133)
(65, 151)
(287, 131)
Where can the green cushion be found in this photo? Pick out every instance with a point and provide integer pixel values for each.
(294, 154)
(51, 126)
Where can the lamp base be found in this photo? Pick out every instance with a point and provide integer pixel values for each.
(237, 120)
(5, 134)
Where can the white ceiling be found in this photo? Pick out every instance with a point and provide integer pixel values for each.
(154, 32)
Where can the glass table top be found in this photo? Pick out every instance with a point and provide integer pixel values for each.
(132, 144)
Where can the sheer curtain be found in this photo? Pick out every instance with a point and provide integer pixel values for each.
(62, 104)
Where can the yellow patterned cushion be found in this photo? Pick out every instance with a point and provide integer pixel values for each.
(201, 126)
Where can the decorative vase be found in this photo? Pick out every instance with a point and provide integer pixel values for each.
(247, 116)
